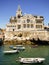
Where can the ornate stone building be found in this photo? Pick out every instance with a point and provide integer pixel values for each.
(26, 25)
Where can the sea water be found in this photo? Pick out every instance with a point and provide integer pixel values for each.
(30, 51)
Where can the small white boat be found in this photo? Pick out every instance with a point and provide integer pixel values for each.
(18, 47)
(31, 60)
(10, 52)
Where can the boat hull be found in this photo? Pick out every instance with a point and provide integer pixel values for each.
(18, 47)
(10, 52)
(31, 60)
(31, 63)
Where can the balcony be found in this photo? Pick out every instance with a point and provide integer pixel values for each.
(39, 18)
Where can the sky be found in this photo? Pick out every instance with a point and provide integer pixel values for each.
(8, 8)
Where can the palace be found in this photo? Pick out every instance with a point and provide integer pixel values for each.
(26, 25)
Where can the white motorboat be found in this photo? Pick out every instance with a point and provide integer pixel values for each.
(18, 47)
(10, 52)
(31, 60)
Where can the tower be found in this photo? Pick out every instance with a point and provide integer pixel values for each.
(19, 12)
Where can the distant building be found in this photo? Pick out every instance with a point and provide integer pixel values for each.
(27, 25)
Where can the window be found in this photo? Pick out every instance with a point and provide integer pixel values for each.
(38, 26)
(35, 16)
(41, 16)
(13, 29)
(24, 25)
(18, 16)
(28, 25)
(31, 25)
(38, 21)
(24, 21)
(19, 26)
(28, 20)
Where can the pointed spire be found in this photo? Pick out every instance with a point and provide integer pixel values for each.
(19, 8)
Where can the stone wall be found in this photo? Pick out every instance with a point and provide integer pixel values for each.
(42, 35)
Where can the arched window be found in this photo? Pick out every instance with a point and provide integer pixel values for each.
(24, 25)
(19, 26)
(13, 29)
(28, 20)
(31, 25)
(28, 25)
(18, 16)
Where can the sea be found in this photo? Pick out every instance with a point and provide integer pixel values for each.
(29, 52)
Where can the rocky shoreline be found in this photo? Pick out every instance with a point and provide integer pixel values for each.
(25, 42)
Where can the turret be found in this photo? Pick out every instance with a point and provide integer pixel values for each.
(19, 12)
